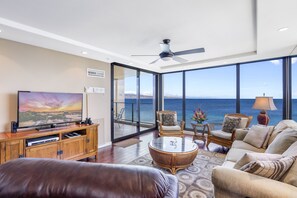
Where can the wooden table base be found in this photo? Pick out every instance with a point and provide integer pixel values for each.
(173, 161)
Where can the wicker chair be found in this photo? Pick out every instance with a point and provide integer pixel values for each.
(224, 138)
(176, 130)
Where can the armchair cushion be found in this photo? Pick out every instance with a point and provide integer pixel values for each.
(230, 124)
(171, 128)
(243, 122)
(221, 134)
(256, 135)
(169, 119)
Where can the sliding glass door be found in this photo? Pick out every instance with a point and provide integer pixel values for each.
(124, 102)
(133, 102)
(147, 101)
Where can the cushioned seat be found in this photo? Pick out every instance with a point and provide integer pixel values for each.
(222, 134)
(171, 128)
(243, 145)
(228, 164)
(234, 154)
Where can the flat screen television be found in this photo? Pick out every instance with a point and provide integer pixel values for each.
(44, 108)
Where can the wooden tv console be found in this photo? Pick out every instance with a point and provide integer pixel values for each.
(13, 145)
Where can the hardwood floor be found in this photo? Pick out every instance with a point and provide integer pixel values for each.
(119, 155)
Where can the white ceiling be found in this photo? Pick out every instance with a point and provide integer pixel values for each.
(231, 31)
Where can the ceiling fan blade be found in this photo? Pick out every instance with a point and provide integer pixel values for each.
(165, 47)
(179, 59)
(192, 51)
(144, 55)
(155, 61)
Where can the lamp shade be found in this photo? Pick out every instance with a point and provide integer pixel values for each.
(264, 103)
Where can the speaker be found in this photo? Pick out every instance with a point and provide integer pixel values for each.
(14, 126)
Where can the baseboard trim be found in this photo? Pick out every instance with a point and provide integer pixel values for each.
(104, 145)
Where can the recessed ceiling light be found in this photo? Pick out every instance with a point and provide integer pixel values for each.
(0, 31)
(84, 52)
(283, 29)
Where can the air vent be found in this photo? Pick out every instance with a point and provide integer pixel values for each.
(95, 73)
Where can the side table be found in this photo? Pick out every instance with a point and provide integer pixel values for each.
(200, 128)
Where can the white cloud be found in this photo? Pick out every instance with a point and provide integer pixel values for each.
(130, 92)
(294, 60)
(147, 93)
(276, 62)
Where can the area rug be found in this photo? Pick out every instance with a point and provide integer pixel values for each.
(127, 142)
(194, 181)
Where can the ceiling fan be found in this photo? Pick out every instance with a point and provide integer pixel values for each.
(167, 54)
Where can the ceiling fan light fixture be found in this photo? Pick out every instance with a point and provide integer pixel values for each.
(168, 58)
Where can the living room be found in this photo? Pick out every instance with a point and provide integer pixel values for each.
(240, 50)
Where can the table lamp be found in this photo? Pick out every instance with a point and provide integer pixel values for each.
(264, 103)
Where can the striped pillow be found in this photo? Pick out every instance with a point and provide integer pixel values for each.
(270, 169)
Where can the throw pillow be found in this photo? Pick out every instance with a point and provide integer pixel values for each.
(291, 176)
(169, 119)
(249, 157)
(292, 150)
(265, 144)
(282, 125)
(256, 135)
(243, 122)
(230, 124)
(270, 169)
(283, 141)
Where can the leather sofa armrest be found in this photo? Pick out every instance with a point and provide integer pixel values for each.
(240, 133)
(245, 184)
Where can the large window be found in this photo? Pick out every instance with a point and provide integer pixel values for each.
(294, 89)
(213, 90)
(261, 78)
(173, 92)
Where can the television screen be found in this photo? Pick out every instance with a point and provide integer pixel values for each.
(42, 108)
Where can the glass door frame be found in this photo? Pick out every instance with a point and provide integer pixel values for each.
(156, 91)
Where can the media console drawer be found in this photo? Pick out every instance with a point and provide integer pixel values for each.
(70, 143)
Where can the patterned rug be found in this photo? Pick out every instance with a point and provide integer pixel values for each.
(195, 181)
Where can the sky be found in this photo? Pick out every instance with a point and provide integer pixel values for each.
(47, 102)
(255, 79)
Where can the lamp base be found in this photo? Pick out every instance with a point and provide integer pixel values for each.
(263, 118)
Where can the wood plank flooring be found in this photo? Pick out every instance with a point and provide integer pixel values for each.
(119, 155)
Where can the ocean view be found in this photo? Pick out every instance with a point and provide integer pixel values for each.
(214, 108)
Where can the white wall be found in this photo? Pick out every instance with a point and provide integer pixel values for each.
(29, 68)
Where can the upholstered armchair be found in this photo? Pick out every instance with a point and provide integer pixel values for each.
(226, 135)
(168, 125)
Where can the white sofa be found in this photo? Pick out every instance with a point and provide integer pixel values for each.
(230, 182)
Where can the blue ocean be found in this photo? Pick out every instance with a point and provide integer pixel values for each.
(214, 108)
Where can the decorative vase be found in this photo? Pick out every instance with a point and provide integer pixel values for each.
(199, 121)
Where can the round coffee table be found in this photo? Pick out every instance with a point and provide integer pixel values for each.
(173, 153)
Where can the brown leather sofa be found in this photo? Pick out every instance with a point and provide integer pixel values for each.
(54, 178)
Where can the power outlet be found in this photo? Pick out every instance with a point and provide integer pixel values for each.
(94, 90)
